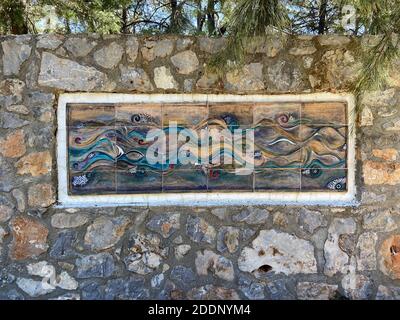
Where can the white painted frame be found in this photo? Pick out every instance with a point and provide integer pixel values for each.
(202, 198)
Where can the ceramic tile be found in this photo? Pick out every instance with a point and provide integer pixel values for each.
(176, 180)
(187, 116)
(285, 115)
(138, 115)
(327, 113)
(138, 179)
(90, 115)
(324, 146)
(297, 147)
(94, 181)
(277, 179)
(277, 147)
(92, 147)
(230, 115)
(317, 179)
(229, 180)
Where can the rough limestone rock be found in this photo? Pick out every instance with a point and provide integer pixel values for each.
(9, 120)
(388, 293)
(228, 239)
(35, 288)
(379, 221)
(278, 252)
(164, 79)
(15, 52)
(316, 291)
(218, 265)
(367, 117)
(302, 50)
(64, 245)
(340, 68)
(221, 213)
(66, 282)
(132, 48)
(109, 57)
(357, 286)
(280, 289)
(211, 292)
(183, 276)
(29, 238)
(254, 216)
(336, 260)
(41, 195)
(284, 76)
(48, 273)
(145, 253)
(79, 47)
(11, 91)
(181, 251)
(198, 230)
(35, 164)
(377, 173)
(68, 75)
(6, 209)
(41, 269)
(13, 145)
(389, 257)
(105, 232)
(388, 154)
(366, 255)
(269, 45)
(207, 81)
(3, 234)
(49, 41)
(99, 265)
(333, 40)
(135, 79)
(165, 224)
(186, 62)
(132, 288)
(157, 49)
(68, 220)
(311, 220)
(7, 181)
(378, 99)
(183, 44)
(251, 288)
(212, 45)
(11, 295)
(249, 78)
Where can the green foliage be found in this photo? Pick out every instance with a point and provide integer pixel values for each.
(249, 18)
(378, 18)
(12, 13)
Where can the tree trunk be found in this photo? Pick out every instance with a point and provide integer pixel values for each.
(174, 8)
(199, 17)
(322, 17)
(124, 28)
(18, 23)
(211, 17)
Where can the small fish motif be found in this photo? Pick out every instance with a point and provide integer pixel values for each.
(337, 184)
(80, 181)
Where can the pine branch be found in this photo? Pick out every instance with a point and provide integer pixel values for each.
(250, 18)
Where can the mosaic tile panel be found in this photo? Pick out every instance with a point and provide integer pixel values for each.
(131, 148)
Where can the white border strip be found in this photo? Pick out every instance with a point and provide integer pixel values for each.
(203, 199)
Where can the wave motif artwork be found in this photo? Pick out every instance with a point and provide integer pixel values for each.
(297, 147)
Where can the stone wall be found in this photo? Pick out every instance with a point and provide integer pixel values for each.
(198, 253)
